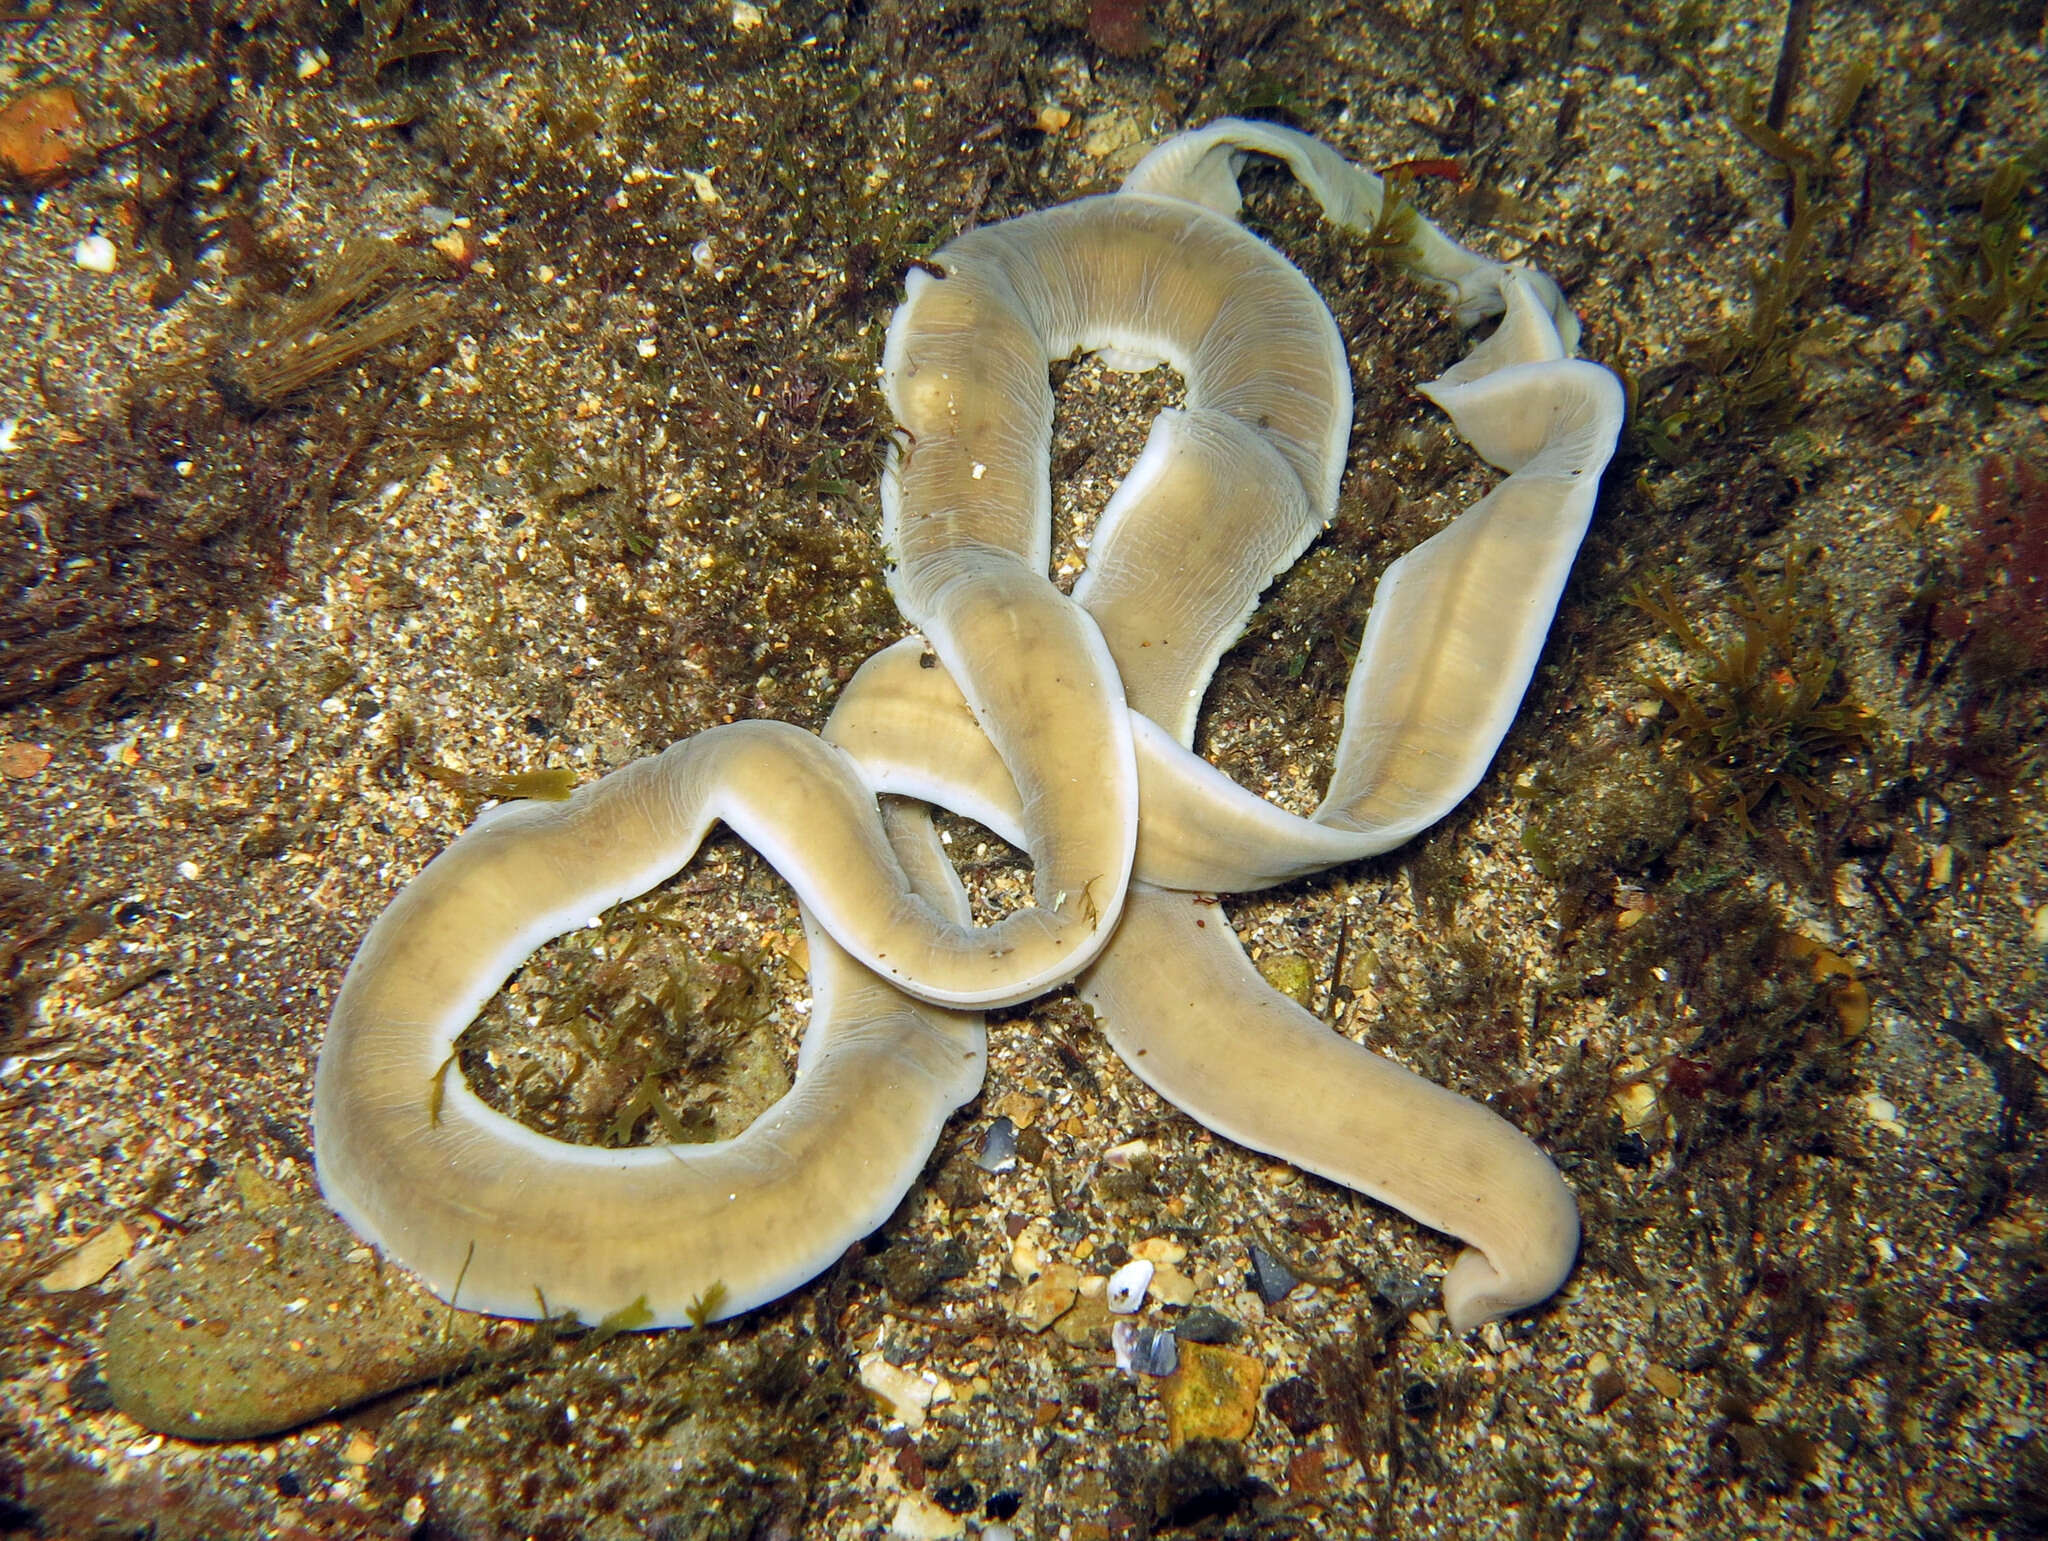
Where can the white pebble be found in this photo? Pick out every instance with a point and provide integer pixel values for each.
(917, 1518)
(903, 1395)
(96, 254)
(1127, 1286)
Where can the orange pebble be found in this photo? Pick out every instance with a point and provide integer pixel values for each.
(41, 134)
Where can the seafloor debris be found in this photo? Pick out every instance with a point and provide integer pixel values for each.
(327, 329)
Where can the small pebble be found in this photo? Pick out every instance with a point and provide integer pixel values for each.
(1605, 1389)
(1291, 974)
(1403, 1292)
(1298, 1403)
(1021, 1108)
(1271, 1277)
(1027, 1250)
(1883, 1112)
(87, 1393)
(264, 1322)
(1048, 1297)
(96, 254)
(41, 135)
(21, 762)
(1003, 1505)
(1206, 1325)
(1089, 1323)
(1214, 1394)
(1171, 1287)
(460, 248)
(1666, 1382)
(904, 1396)
(917, 1518)
(998, 1147)
(1127, 1286)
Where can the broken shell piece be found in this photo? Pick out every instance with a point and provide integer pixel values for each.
(1880, 1110)
(1636, 1103)
(94, 1258)
(1142, 1350)
(1127, 1155)
(998, 1148)
(1127, 1286)
(903, 1395)
(96, 254)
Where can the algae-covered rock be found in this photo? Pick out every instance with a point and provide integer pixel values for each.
(271, 1320)
(1613, 811)
(1214, 1394)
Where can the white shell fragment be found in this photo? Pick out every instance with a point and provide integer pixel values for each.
(1127, 1286)
(904, 1396)
(998, 1153)
(96, 254)
(1064, 723)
